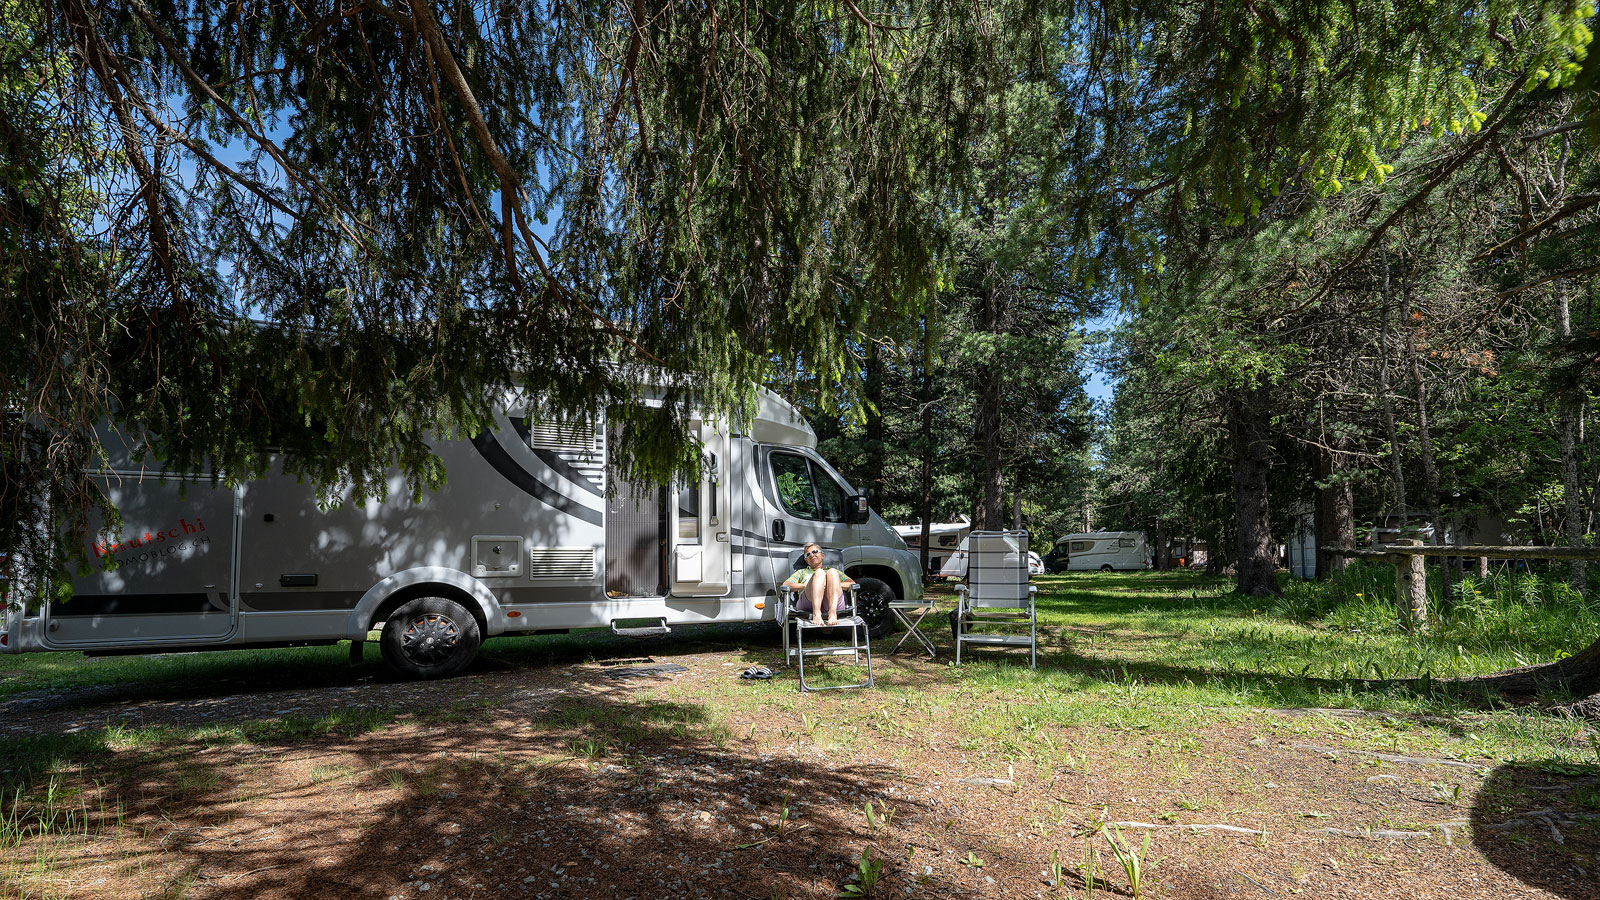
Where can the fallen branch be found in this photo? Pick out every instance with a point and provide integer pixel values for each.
(1391, 757)
(1398, 835)
(1151, 826)
(1547, 817)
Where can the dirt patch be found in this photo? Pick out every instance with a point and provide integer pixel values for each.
(563, 782)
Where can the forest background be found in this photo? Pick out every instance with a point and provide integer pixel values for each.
(1351, 247)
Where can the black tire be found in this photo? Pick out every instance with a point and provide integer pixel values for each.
(430, 637)
(1106, 569)
(872, 603)
(955, 624)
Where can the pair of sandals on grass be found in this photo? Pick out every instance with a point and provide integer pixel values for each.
(757, 673)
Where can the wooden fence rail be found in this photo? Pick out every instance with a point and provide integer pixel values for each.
(1411, 581)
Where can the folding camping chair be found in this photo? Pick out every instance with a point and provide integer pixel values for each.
(794, 618)
(997, 593)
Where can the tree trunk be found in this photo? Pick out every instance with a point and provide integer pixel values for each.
(1572, 487)
(991, 504)
(988, 413)
(873, 391)
(1214, 554)
(1163, 557)
(1578, 675)
(1396, 467)
(1249, 420)
(1336, 515)
(925, 400)
(1430, 471)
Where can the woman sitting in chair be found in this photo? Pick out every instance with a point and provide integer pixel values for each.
(821, 585)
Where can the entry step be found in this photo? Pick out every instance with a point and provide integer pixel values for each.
(642, 631)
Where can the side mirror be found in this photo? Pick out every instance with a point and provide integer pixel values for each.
(856, 510)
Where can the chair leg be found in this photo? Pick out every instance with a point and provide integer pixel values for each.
(788, 623)
(800, 655)
(961, 620)
(867, 641)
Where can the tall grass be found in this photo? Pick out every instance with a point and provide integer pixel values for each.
(56, 810)
(1522, 617)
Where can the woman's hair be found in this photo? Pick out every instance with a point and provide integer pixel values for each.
(806, 548)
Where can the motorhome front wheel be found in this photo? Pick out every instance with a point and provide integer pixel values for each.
(430, 637)
(872, 604)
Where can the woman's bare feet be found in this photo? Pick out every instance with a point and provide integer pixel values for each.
(832, 622)
(816, 620)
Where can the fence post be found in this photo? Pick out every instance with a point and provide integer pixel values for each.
(1483, 567)
(1410, 587)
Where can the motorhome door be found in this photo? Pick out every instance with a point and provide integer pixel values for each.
(702, 556)
(172, 582)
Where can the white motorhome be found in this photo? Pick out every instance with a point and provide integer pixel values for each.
(1105, 551)
(943, 540)
(528, 535)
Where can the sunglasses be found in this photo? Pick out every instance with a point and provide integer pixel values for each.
(813, 553)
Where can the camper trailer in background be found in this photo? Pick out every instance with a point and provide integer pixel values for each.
(955, 568)
(1104, 551)
(943, 540)
(529, 535)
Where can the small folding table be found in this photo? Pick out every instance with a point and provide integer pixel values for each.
(910, 613)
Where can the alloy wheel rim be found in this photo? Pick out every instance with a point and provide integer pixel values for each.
(430, 639)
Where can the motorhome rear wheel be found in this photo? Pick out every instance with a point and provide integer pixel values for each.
(430, 637)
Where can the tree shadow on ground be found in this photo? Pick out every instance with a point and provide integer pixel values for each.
(586, 791)
(1540, 823)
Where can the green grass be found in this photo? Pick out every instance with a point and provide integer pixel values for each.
(31, 672)
(1316, 645)
(1159, 652)
(1169, 652)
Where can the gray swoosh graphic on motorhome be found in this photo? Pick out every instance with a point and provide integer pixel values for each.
(754, 550)
(554, 460)
(496, 456)
(756, 536)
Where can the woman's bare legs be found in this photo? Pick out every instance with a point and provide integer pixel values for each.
(815, 590)
(834, 592)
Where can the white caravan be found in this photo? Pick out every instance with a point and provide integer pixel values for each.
(1104, 551)
(956, 566)
(525, 537)
(943, 540)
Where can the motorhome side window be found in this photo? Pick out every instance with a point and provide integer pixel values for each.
(689, 499)
(1124, 542)
(805, 490)
(1081, 546)
(830, 497)
(689, 511)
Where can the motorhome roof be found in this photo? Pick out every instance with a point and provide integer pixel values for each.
(915, 530)
(1088, 535)
(779, 422)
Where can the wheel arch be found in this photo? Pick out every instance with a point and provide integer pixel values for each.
(387, 595)
(886, 574)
